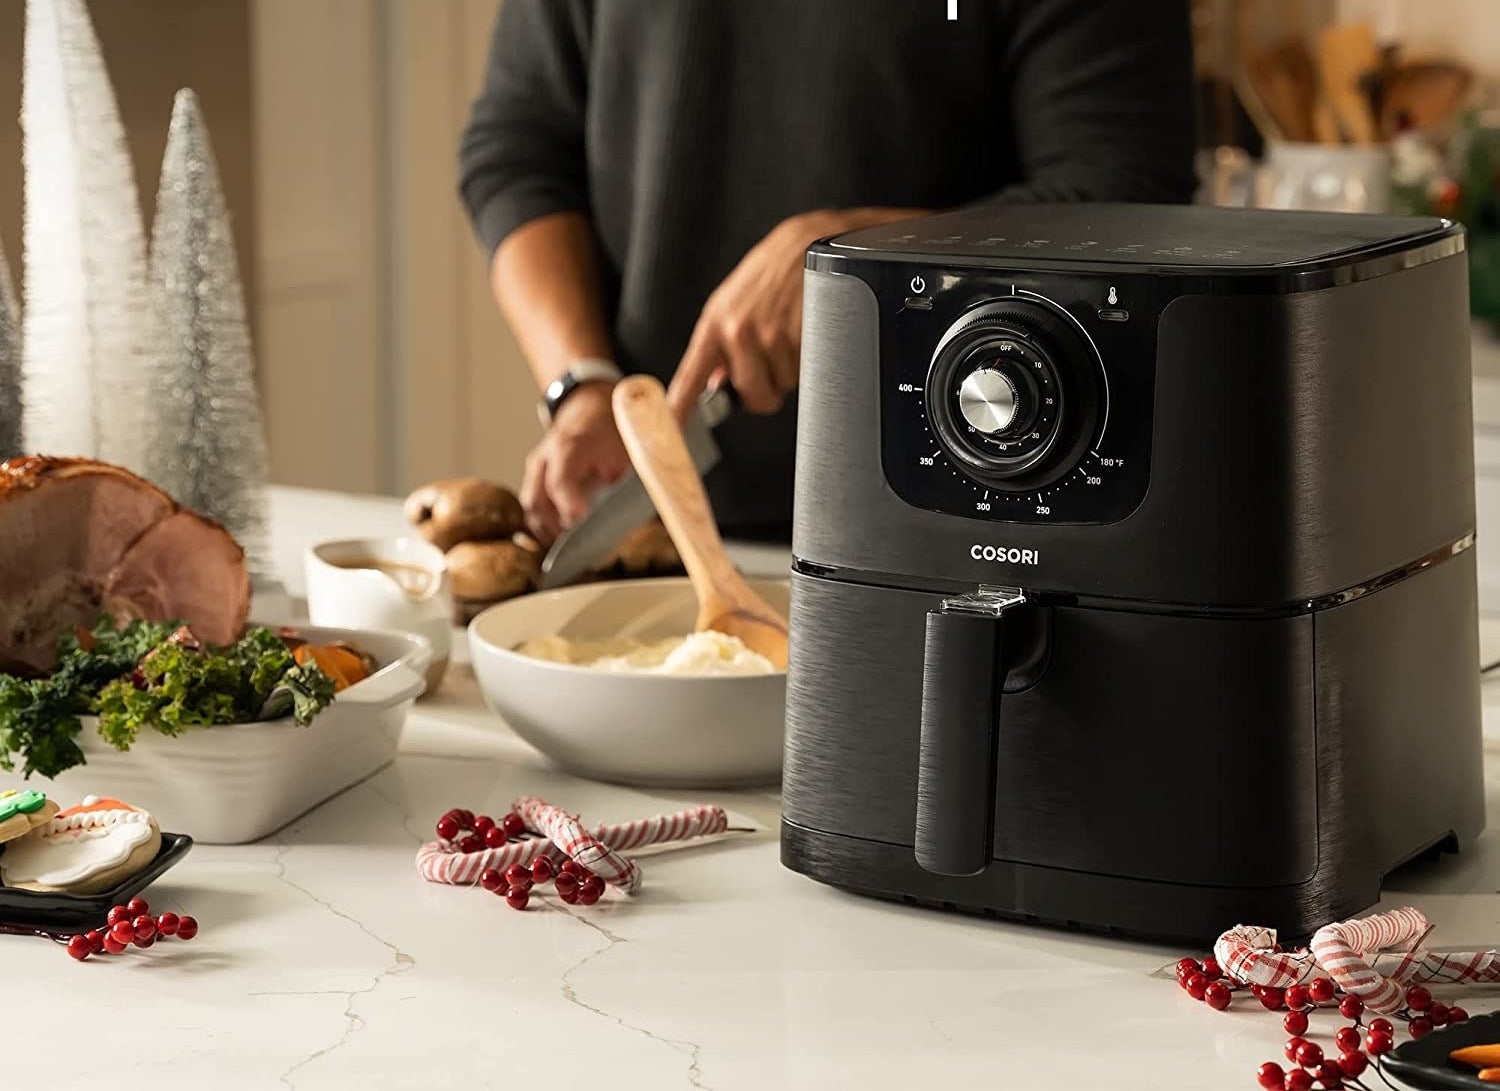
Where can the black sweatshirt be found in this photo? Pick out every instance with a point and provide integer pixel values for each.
(687, 129)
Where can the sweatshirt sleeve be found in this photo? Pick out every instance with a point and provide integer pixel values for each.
(1102, 102)
(522, 153)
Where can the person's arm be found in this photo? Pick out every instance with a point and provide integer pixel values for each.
(1101, 101)
(525, 185)
(545, 276)
(524, 181)
(522, 152)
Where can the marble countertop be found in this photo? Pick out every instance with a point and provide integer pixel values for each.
(326, 962)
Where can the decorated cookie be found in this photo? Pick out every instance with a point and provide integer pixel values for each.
(21, 812)
(83, 850)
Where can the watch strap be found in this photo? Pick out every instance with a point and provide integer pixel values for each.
(578, 373)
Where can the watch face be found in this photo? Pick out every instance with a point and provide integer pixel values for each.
(558, 390)
(553, 396)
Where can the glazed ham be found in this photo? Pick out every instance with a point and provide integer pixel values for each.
(79, 536)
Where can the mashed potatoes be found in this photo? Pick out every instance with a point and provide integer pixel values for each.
(698, 654)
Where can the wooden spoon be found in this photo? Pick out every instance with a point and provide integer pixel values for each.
(1347, 55)
(725, 603)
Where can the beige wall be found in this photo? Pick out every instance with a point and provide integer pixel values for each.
(385, 361)
(467, 403)
(152, 47)
(1466, 29)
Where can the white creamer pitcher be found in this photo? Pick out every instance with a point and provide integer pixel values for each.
(398, 584)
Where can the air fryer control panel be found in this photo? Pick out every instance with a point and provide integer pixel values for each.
(1013, 396)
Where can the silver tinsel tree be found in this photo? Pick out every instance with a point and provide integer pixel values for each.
(90, 329)
(208, 439)
(10, 365)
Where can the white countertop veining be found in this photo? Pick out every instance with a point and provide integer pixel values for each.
(325, 961)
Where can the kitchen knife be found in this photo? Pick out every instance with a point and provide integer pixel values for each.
(622, 507)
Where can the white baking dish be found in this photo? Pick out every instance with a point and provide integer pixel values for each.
(239, 782)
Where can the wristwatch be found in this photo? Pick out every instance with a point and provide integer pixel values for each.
(562, 387)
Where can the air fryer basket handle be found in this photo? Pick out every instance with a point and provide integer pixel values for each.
(961, 687)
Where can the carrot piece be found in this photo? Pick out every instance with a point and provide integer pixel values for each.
(342, 664)
(1480, 1056)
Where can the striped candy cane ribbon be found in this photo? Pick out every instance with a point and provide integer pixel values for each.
(1342, 950)
(661, 829)
(567, 833)
(439, 863)
(1248, 954)
(1373, 958)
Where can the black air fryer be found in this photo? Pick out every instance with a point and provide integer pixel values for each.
(1134, 583)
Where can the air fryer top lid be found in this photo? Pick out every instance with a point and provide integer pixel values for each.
(1188, 236)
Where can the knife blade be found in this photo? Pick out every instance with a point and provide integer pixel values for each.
(622, 507)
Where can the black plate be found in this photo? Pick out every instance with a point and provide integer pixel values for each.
(1423, 1063)
(31, 909)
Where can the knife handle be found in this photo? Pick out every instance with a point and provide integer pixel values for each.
(718, 404)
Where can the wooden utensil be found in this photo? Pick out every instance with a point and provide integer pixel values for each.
(1423, 95)
(654, 440)
(1286, 82)
(1325, 125)
(1347, 56)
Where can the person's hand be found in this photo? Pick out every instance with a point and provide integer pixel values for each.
(580, 454)
(750, 331)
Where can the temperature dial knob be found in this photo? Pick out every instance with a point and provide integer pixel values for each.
(989, 401)
(1017, 384)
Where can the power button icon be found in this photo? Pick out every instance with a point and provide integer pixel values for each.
(918, 285)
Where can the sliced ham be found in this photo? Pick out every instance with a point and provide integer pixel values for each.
(78, 536)
(184, 567)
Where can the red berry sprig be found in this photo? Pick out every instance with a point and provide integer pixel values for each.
(127, 925)
(576, 885)
(469, 832)
(1358, 1045)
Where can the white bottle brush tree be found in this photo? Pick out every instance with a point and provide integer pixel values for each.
(208, 440)
(89, 327)
(10, 365)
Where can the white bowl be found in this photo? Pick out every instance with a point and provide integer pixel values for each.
(235, 783)
(644, 730)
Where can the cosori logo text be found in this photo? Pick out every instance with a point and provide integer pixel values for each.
(1002, 554)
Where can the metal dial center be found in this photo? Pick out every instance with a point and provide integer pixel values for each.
(988, 401)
